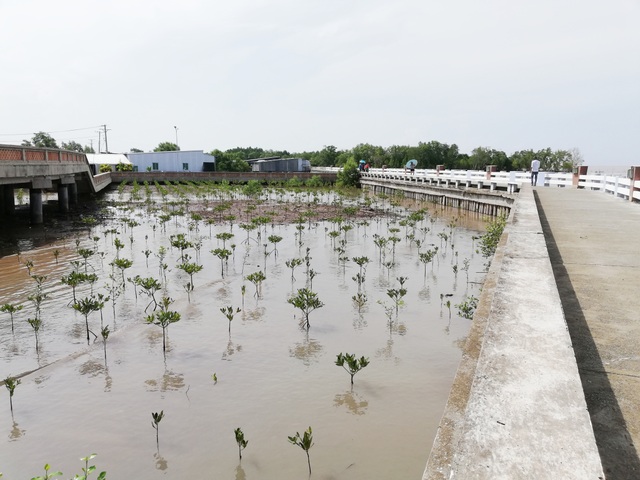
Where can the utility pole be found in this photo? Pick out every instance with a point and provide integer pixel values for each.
(99, 139)
(177, 145)
(106, 144)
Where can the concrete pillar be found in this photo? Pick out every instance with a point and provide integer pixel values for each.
(490, 169)
(35, 205)
(9, 200)
(634, 177)
(577, 171)
(73, 193)
(63, 198)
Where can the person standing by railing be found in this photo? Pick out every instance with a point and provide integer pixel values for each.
(535, 167)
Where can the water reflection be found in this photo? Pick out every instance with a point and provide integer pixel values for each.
(354, 402)
(240, 475)
(231, 349)
(92, 368)
(16, 432)
(253, 315)
(168, 381)
(161, 462)
(307, 351)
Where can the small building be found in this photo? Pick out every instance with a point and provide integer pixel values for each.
(112, 159)
(176, 161)
(280, 165)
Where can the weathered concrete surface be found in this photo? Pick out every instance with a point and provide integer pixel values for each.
(517, 409)
(594, 246)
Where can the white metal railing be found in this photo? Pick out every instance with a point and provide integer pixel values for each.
(618, 186)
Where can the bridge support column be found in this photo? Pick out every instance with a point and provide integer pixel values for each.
(63, 198)
(9, 201)
(35, 205)
(73, 193)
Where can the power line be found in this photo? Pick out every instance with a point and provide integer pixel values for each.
(50, 132)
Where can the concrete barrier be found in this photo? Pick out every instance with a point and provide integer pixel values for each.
(517, 409)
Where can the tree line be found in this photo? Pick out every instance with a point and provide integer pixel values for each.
(428, 154)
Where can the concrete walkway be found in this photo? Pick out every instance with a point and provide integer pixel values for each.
(517, 408)
(594, 247)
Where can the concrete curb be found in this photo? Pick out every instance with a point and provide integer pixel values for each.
(517, 408)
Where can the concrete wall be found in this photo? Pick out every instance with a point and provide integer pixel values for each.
(517, 409)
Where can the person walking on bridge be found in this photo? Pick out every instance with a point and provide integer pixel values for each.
(535, 167)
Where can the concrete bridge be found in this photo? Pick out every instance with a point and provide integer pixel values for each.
(39, 169)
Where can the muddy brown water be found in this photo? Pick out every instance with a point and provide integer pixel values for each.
(274, 378)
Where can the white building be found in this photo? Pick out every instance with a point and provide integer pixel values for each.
(178, 161)
(112, 159)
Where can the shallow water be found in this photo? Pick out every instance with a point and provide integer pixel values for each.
(274, 378)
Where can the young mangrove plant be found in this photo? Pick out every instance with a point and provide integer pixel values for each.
(35, 323)
(156, 418)
(426, 258)
(306, 301)
(149, 287)
(85, 307)
(163, 318)
(11, 309)
(122, 264)
(11, 383)
(104, 331)
(229, 312)
(359, 300)
(275, 239)
(467, 307)
(292, 264)
(305, 442)
(257, 278)
(241, 441)
(351, 364)
(489, 241)
(223, 254)
(87, 470)
(190, 269)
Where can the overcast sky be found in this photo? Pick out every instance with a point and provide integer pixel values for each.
(302, 74)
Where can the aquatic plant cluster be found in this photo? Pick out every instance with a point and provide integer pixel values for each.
(166, 257)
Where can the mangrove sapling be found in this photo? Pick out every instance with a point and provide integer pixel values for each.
(292, 264)
(56, 254)
(190, 269)
(306, 301)
(11, 383)
(29, 266)
(223, 254)
(47, 475)
(240, 440)
(426, 258)
(149, 287)
(305, 442)
(257, 278)
(229, 312)
(156, 418)
(86, 253)
(467, 307)
(359, 300)
(224, 236)
(105, 335)
(87, 470)
(180, 242)
(85, 307)
(275, 239)
(353, 364)
(11, 309)
(146, 254)
(164, 318)
(35, 323)
(119, 246)
(122, 264)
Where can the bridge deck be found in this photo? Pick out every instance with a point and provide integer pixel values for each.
(517, 408)
(594, 247)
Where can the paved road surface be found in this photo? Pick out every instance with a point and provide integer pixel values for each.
(594, 246)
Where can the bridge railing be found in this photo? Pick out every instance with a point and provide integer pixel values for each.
(619, 186)
(13, 153)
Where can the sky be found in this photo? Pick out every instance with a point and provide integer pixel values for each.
(300, 75)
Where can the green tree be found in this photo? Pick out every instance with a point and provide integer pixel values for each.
(349, 176)
(230, 162)
(166, 147)
(42, 140)
(135, 150)
(72, 146)
(326, 157)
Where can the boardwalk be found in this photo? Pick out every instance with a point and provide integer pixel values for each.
(594, 247)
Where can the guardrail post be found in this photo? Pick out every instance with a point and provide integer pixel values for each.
(633, 177)
(490, 169)
(577, 171)
(439, 168)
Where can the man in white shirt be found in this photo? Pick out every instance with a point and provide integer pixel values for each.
(535, 167)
